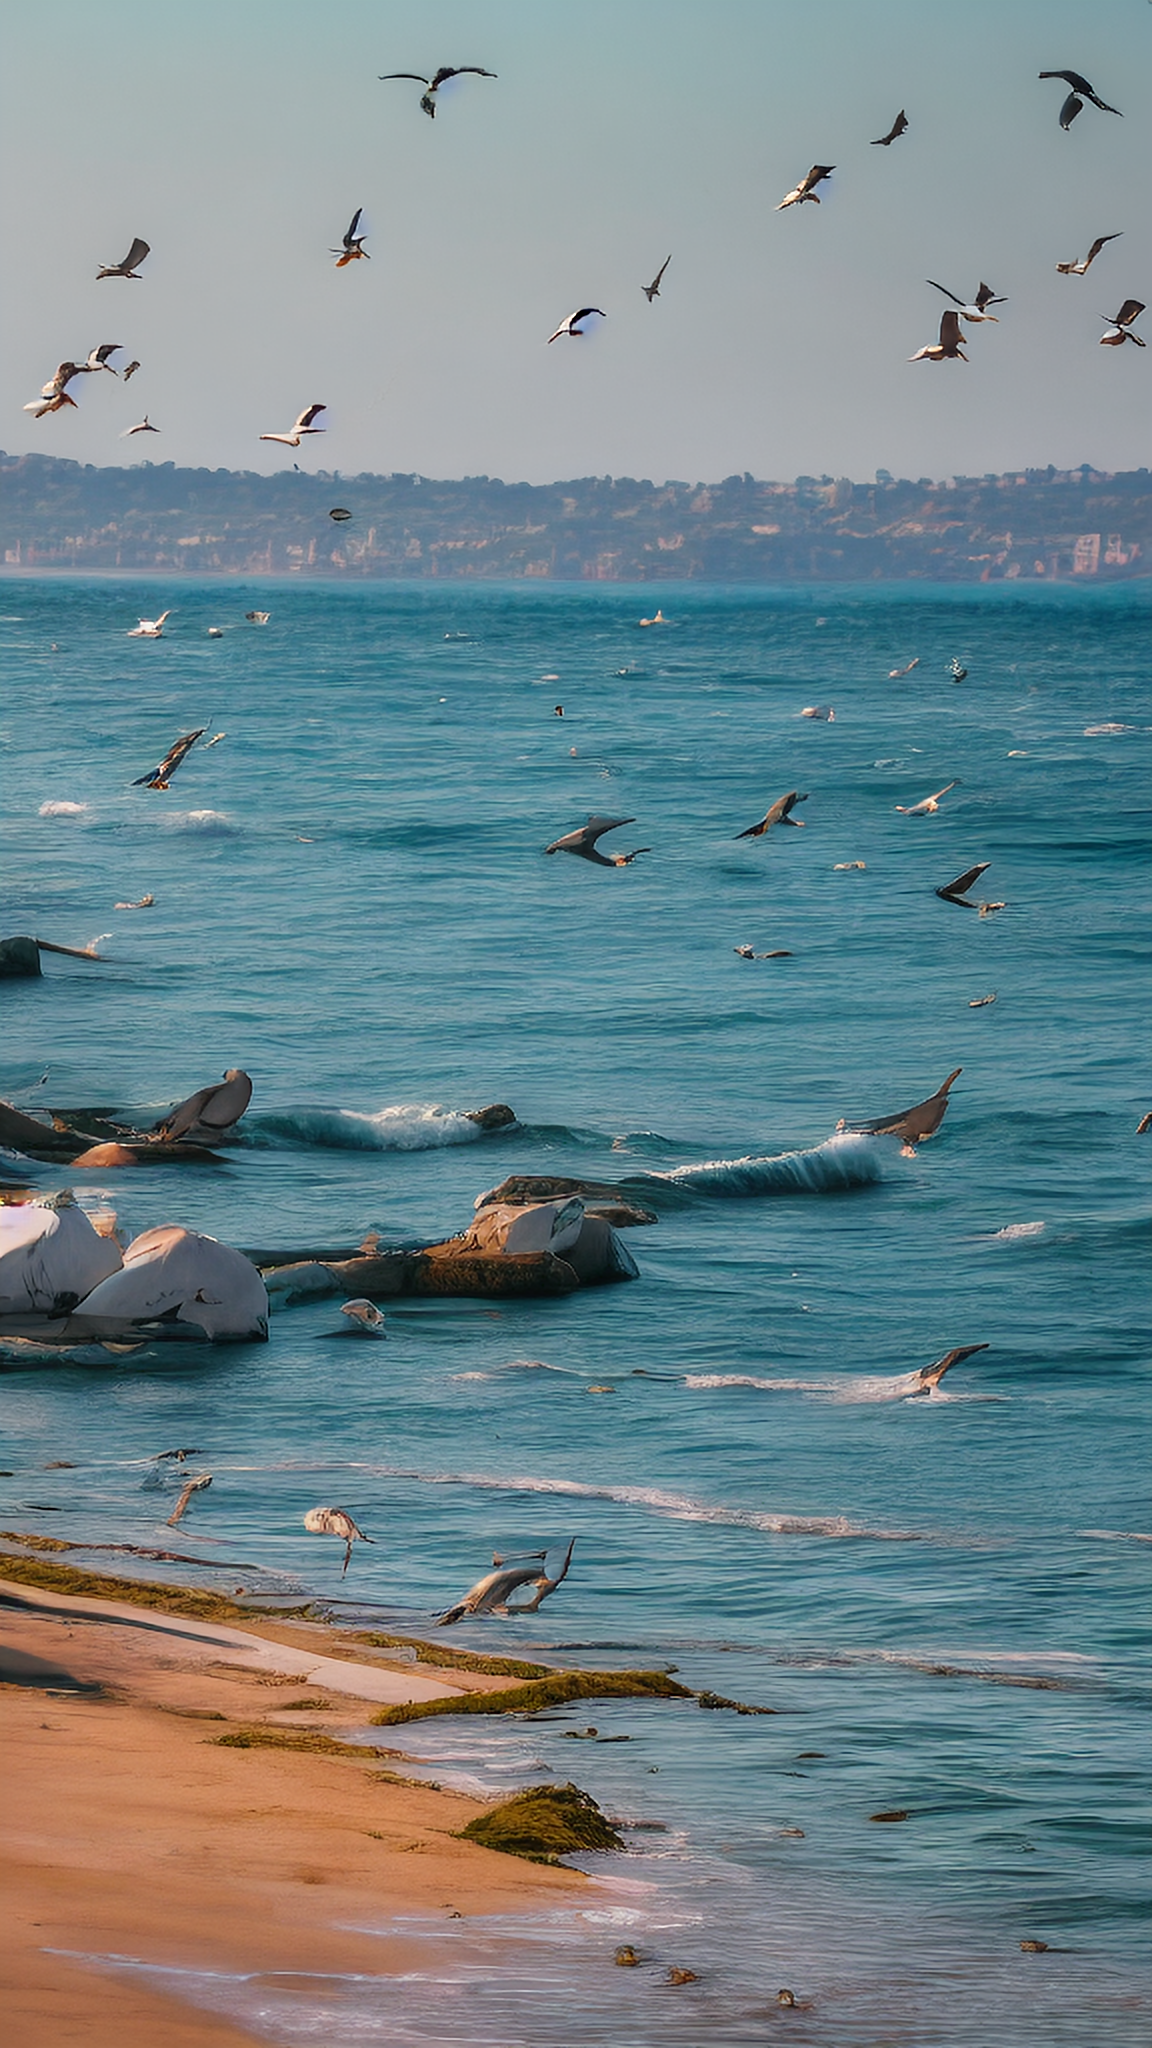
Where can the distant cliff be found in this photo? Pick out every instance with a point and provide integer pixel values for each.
(1054, 524)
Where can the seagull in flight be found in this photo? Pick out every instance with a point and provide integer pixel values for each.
(353, 243)
(143, 426)
(130, 265)
(985, 297)
(130, 370)
(446, 71)
(778, 813)
(652, 291)
(153, 629)
(957, 891)
(1120, 325)
(160, 777)
(1077, 269)
(948, 346)
(571, 326)
(98, 357)
(897, 128)
(806, 188)
(930, 804)
(302, 426)
(583, 843)
(54, 396)
(1081, 91)
(336, 1522)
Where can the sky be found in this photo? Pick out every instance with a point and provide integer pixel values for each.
(238, 137)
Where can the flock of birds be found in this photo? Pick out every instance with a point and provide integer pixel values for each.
(55, 397)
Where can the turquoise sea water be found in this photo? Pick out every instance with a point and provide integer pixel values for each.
(941, 1597)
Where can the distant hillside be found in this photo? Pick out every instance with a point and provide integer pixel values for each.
(1040, 523)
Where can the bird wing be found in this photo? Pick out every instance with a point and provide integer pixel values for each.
(1068, 112)
(943, 288)
(816, 175)
(918, 1122)
(62, 375)
(897, 128)
(583, 314)
(457, 71)
(1073, 78)
(417, 77)
(662, 269)
(136, 254)
(987, 297)
(965, 881)
(353, 224)
(1129, 312)
(931, 1375)
(304, 422)
(951, 331)
(938, 793)
(172, 758)
(1097, 245)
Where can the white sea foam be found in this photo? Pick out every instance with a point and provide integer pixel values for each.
(63, 810)
(403, 1127)
(1012, 1231)
(212, 824)
(849, 1159)
(854, 1387)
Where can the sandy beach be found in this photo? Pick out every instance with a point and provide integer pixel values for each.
(128, 1830)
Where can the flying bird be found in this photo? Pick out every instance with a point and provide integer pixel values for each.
(54, 396)
(652, 291)
(143, 426)
(912, 1125)
(894, 674)
(1081, 91)
(339, 513)
(130, 370)
(490, 1594)
(985, 297)
(897, 128)
(571, 326)
(353, 245)
(336, 1522)
(446, 71)
(948, 346)
(583, 843)
(303, 425)
(930, 1376)
(777, 814)
(957, 891)
(153, 629)
(160, 777)
(98, 357)
(929, 805)
(130, 265)
(806, 188)
(1078, 268)
(1121, 325)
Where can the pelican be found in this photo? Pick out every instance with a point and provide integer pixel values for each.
(210, 1111)
(143, 426)
(1120, 325)
(948, 346)
(130, 265)
(652, 291)
(130, 370)
(303, 425)
(806, 188)
(583, 842)
(353, 245)
(1078, 268)
(777, 814)
(1081, 91)
(490, 1594)
(151, 629)
(336, 1522)
(446, 71)
(161, 776)
(985, 297)
(365, 1317)
(571, 326)
(930, 804)
(897, 128)
(98, 357)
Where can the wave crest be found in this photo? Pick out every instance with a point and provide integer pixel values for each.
(849, 1160)
(403, 1127)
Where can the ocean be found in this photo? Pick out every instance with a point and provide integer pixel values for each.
(939, 1599)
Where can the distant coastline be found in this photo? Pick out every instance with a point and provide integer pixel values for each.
(1033, 526)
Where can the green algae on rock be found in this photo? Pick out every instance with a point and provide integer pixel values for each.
(544, 1692)
(544, 1823)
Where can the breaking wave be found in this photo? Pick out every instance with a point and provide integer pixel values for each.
(856, 1387)
(404, 1127)
(63, 810)
(848, 1160)
(1012, 1231)
(212, 824)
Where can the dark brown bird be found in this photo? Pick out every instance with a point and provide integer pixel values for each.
(930, 1376)
(777, 814)
(353, 244)
(957, 891)
(583, 843)
(652, 291)
(948, 347)
(160, 777)
(1078, 268)
(1081, 91)
(446, 71)
(1120, 325)
(897, 128)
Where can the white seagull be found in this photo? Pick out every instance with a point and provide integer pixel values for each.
(583, 843)
(98, 357)
(143, 426)
(985, 297)
(151, 629)
(571, 326)
(806, 188)
(130, 265)
(1120, 325)
(1078, 268)
(302, 426)
(948, 346)
(336, 1522)
(929, 805)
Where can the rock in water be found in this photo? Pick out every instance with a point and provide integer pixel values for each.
(544, 1823)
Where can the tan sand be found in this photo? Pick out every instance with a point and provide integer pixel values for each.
(128, 1831)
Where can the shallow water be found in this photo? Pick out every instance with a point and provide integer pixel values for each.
(939, 1595)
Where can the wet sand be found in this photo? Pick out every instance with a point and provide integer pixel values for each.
(128, 1831)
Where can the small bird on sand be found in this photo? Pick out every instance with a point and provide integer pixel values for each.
(446, 71)
(130, 370)
(161, 776)
(652, 291)
(1081, 91)
(336, 1522)
(301, 426)
(1120, 325)
(930, 804)
(776, 814)
(571, 326)
(153, 629)
(365, 1317)
(143, 426)
(130, 265)
(978, 310)
(1078, 268)
(948, 348)
(897, 128)
(806, 188)
(353, 244)
(583, 842)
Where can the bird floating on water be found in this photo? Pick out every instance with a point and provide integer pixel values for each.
(823, 711)
(571, 326)
(490, 1594)
(806, 188)
(930, 804)
(1078, 268)
(353, 244)
(131, 264)
(301, 426)
(652, 291)
(895, 673)
(143, 426)
(144, 903)
(583, 843)
(339, 513)
(336, 1522)
(1081, 91)
(957, 891)
(160, 777)
(152, 629)
(897, 129)
(365, 1317)
(257, 618)
(956, 670)
(1120, 325)
(776, 814)
(446, 71)
(978, 310)
(948, 347)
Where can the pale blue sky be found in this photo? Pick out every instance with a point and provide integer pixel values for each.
(238, 139)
